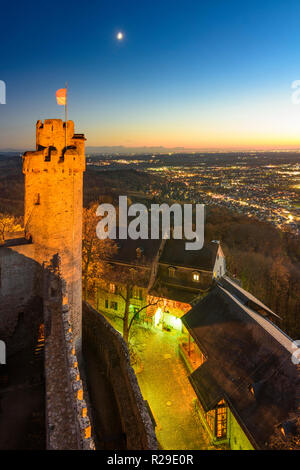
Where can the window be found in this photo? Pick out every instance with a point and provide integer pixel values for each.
(171, 272)
(112, 288)
(221, 420)
(114, 305)
(37, 199)
(196, 277)
(137, 293)
(209, 416)
(106, 303)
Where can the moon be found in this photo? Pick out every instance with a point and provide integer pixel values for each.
(120, 36)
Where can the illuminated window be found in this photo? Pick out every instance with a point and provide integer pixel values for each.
(196, 277)
(112, 288)
(221, 420)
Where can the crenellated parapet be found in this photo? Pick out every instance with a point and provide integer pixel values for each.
(82, 420)
(58, 149)
(52, 132)
(53, 161)
(67, 412)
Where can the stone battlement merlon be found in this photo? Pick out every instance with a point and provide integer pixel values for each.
(41, 161)
(52, 133)
(51, 152)
(53, 126)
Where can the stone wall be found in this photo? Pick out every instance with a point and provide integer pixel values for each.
(107, 363)
(67, 418)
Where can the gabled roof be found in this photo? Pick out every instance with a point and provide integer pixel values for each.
(244, 350)
(171, 292)
(175, 254)
(183, 288)
(127, 251)
(245, 297)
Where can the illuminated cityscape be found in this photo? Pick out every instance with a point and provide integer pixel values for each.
(261, 185)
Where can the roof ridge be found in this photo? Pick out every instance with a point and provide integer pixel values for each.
(265, 323)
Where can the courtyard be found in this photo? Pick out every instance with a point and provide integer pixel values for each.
(164, 383)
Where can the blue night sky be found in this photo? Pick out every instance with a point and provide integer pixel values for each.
(205, 74)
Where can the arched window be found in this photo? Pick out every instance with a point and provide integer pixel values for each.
(196, 276)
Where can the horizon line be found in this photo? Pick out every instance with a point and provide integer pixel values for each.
(92, 148)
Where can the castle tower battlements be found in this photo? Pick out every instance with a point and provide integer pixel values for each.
(53, 205)
(51, 152)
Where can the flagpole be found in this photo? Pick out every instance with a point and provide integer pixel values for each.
(66, 119)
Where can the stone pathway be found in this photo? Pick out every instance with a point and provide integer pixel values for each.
(165, 385)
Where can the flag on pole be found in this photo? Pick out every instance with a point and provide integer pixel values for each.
(61, 96)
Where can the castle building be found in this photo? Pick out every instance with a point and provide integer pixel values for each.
(174, 278)
(182, 277)
(53, 206)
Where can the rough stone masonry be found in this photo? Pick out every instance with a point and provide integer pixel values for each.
(53, 206)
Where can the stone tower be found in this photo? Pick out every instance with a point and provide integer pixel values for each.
(53, 206)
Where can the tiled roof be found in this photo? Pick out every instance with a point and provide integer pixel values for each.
(175, 254)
